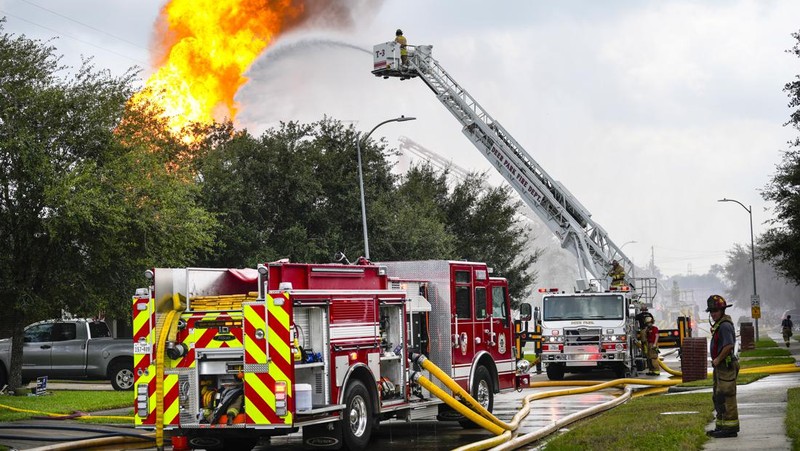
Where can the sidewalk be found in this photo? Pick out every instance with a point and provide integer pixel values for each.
(762, 411)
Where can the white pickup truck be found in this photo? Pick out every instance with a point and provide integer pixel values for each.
(72, 349)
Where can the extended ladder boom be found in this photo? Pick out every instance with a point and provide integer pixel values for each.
(551, 201)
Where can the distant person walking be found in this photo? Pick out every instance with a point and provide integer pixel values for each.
(786, 326)
(400, 39)
(726, 369)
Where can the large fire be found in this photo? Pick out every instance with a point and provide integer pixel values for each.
(207, 46)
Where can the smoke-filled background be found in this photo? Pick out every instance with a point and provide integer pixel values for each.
(648, 112)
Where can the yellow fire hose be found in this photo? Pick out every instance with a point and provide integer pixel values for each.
(435, 371)
(507, 441)
(591, 386)
(459, 407)
(771, 369)
(519, 441)
(84, 416)
(162, 339)
(91, 443)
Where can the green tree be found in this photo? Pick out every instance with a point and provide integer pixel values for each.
(86, 204)
(486, 227)
(415, 227)
(292, 193)
(780, 245)
(776, 292)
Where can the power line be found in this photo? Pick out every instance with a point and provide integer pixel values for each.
(62, 34)
(85, 25)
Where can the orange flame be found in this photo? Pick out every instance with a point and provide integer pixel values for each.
(207, 47)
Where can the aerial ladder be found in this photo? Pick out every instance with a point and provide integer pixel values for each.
(570, 221)
(409, 145)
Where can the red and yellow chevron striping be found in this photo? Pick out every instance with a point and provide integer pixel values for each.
(271, 355)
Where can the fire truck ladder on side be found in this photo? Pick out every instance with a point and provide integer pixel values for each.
(552, 202)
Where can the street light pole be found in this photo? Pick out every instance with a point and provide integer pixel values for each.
(752, 252)
(361, 178)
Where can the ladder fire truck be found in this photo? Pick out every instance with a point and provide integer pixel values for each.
(586, 340)
(235, 354)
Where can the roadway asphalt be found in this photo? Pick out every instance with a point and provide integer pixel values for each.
(762, 412)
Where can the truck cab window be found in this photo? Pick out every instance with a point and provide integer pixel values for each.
(480, 303)
(499, 303)
(64, 331)
(39, 333)
(99, 329)
(463, 281)
(463, 307)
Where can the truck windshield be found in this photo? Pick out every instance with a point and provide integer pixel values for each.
(556, 308)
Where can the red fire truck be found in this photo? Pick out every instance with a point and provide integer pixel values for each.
(231, 354)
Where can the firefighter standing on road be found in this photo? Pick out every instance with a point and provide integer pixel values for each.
(651, 331)
(726, 369)
(641, 323)
(617, 274)
(400, 39)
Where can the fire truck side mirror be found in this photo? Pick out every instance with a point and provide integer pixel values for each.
(525, 312)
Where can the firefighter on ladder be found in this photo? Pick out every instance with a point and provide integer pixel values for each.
(400, 39)
(617, 274)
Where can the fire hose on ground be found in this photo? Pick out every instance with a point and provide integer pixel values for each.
(505, 432)
(102, 437)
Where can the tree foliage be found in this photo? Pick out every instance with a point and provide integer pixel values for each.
(775, 292)
(85, 206)
(780, 245)
(293, 193)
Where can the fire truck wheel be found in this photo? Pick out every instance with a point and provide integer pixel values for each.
(210, 443)
(121, 375)
(555, 372)
(482, 391)
(357, 420)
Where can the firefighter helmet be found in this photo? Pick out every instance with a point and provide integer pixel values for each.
(716, 302)
(399, 32)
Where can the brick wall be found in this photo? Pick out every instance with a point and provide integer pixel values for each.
(747, 335)
(694, 358)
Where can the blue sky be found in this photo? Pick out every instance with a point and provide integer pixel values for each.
(647, 111)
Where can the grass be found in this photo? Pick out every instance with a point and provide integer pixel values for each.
(764, 352)
(742, 379)
(766, 342)
(642, 425)
(65, 402)
(793, 418)
(767, 361)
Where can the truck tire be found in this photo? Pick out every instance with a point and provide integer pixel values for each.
(206, 442)
(483, 392)
(555, 372)
(620, 370)
(357, 419)
(121, 376)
